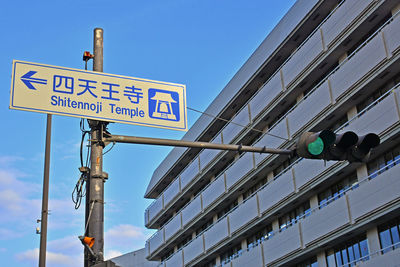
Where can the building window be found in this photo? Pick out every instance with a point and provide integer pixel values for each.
(279, 117)
(184, 242)
(294, 215)
(389, 235)
(370, 33)
(264, 234)
(336, 191)
(312, 262)
(231, 254)
(198, 189)
(227, 209)
(204, 227)
(284, 165)
(339, 123)
(348, 253)
(384, 162)
(212, 263)
(166, 256)
(254, 188)
(373, 97)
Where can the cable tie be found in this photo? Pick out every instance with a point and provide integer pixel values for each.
(240, 147)
(264, 148)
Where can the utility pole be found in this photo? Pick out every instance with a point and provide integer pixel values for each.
(94, 214)
(45, 197)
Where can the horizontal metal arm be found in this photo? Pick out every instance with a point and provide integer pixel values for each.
(182, 143)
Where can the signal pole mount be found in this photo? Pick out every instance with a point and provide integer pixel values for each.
(94, 208)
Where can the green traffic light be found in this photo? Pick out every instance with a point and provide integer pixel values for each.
(315, 148)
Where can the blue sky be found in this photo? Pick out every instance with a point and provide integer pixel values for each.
(198, 43)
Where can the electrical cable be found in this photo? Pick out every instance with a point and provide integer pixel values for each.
(79, 190)
(230, 121)
(109, 148)
(90, 214)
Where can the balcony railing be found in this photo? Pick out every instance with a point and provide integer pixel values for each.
(354, 186)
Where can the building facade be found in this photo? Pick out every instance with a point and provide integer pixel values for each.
(328, 64)
(134, 259)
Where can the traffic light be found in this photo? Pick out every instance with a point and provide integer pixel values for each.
(313, 145)
(330, 146)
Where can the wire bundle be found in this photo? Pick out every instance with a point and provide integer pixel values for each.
(80, 190)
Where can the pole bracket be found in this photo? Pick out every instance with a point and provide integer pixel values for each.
(97, 201)
(240, 148)
(84, 170)
(103, 176)
(100, 126)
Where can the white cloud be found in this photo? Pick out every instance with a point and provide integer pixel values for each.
(6, 234)
(68, 149)
(68, 251)
(10, 200)
(126, 238)
(15, 203)
(21, 202)
(71, 244)
(112, 254)
(6, 178)
(6, 160)
(20, 206)
(125, 234)
(65, 252)
(64, 215)
(52, 259)
(127, 231)
(11, 179)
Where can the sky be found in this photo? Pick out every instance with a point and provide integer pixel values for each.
(201, 44)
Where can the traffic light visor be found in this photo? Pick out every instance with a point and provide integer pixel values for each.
(368, 141)
(328, 137)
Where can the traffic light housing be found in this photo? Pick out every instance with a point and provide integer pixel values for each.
(330, 146)
(362, 151)
(313, 145)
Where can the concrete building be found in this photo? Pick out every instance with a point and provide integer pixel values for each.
(134, 259)
(328, 64)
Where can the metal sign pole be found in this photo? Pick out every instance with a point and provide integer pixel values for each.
(95, 214)
(45, 198)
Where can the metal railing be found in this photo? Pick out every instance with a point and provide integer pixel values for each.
(331, 200)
